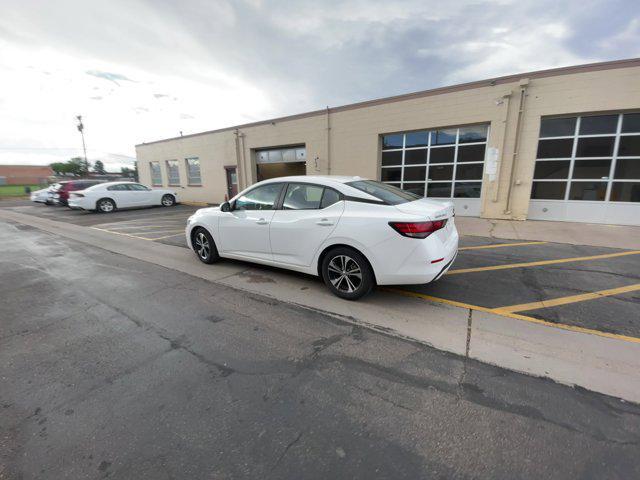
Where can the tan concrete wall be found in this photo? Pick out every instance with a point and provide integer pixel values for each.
(354, 134)
(214, 152)
(602, 91)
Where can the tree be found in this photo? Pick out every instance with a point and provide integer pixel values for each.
(130, 172)
(75, 166)
(59, 168)
(98, 167)
(78, 167)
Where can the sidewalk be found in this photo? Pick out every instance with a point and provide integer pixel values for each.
(597, 235)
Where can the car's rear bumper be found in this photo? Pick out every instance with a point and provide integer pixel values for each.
(425, 263)
(77, 204)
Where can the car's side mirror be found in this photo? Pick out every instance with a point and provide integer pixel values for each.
(225, 207)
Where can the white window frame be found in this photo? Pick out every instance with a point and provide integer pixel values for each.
(429, 148)
(169, 169)
(190, 179)
(156, 181)
(610, 180)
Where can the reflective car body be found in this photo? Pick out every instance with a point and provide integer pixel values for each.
(121, 195)
(286, 223)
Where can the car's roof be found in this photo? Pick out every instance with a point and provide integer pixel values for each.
(108, 184)
(64, 182)
(323, 179)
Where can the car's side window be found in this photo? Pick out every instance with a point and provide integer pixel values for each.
(261, 198)
(137, 187)
(329, 197)
(118, 188)
(301, 196)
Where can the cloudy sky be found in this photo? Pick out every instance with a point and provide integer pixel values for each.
(143, 70)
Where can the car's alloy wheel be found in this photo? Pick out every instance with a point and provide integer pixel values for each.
(106, 206)
(204, 246)
(344, 273)
(347, 273)
(168, 200)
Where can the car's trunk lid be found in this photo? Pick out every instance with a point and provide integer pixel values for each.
(431, 209)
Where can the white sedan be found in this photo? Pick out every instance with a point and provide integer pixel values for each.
(354, 233)
(41, 196)
(106, 197)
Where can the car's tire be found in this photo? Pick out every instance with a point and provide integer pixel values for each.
(347, 273)
(168, 200)
(204, 246)
(105, 205)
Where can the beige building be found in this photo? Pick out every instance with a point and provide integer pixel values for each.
(560, 144)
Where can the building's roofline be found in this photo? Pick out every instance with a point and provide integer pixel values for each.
(552, 72)
(24, 166)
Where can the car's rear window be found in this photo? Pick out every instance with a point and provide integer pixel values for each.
(387, 193)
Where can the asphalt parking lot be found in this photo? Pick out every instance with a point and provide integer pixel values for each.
(572, 286)
(159, 224)
(113, 367)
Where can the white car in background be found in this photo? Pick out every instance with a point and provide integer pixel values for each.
(106, 197)
(41, 196)
(352, 232)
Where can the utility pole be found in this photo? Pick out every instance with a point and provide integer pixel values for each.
(84, 148)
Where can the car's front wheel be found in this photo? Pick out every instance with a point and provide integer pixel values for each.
(105, 205)
(204, 246)
(168, 200)
(347, 273)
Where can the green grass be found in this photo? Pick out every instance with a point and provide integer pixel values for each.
(16, 190)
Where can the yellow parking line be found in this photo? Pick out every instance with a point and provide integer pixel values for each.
(516, 316)
(156, 232)
(121, 233)
(554, 302)
(133, 227)
(169, 236)
(542, 262)
(131, 235)
(498, 245)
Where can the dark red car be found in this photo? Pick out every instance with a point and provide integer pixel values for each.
(59, 194)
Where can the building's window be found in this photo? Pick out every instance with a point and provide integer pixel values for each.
(193, 171)
(156, 174)
(173, 172)
(446, 162)
(588, 158)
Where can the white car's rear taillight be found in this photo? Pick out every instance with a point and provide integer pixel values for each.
(418, 229)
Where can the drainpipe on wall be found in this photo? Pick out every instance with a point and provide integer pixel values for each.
(238, 160)
(524, 83)
(505, 121)
(245, 168)
(328, 143)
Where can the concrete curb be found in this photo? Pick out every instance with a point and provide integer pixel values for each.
(605, 365)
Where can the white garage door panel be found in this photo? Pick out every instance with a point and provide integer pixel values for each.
(616, 213)
(467, 207)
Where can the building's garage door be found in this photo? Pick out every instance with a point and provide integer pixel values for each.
(281, 162)
(588, 169)
(443, 164)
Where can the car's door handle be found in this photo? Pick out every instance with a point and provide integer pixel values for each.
(324, 222)
(261, 221)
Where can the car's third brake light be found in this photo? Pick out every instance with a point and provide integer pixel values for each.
(417, 229)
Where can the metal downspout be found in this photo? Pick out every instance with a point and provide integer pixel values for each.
(516, 146)
(328, 143)
(506, 98)
(244, 162)
(238, 160)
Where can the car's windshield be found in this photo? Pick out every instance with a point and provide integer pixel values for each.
(387, 193)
